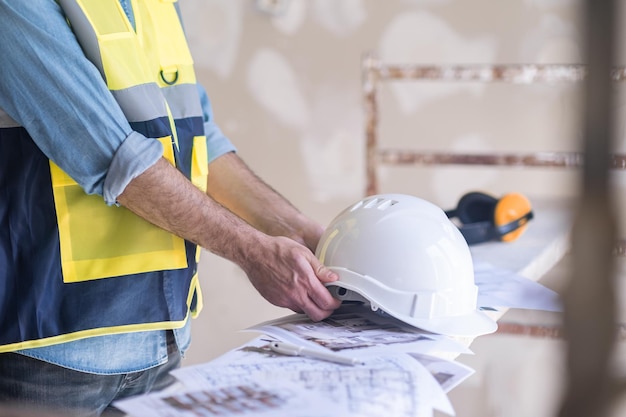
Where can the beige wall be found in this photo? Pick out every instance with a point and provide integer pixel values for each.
(286, 89)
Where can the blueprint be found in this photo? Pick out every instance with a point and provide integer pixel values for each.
(387, 384)
(356, 328)
(243, 399)
(394, 375)
(448, 374)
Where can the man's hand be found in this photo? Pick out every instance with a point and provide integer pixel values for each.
(287, 274)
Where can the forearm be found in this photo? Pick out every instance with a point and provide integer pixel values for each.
(164, 197)
(235, 186)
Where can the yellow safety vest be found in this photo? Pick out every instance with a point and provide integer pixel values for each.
(99, 241)
(119, 272)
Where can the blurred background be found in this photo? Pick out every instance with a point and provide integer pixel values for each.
(284, 78)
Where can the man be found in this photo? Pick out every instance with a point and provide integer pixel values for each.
(98, 100)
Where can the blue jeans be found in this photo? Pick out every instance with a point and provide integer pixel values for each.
(38, 385)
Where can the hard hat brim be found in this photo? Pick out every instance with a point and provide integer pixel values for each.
(470, 324)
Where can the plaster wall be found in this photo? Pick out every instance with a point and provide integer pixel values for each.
(284, 79)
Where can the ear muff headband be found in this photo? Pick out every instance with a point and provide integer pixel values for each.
(475, 207)
(517, 226)
(479, 232)
(484, 218)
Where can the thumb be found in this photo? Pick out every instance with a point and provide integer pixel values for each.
(325, 275)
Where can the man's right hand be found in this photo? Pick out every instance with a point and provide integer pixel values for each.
(288, 274)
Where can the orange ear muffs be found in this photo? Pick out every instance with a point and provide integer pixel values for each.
(484, 218)
(511, 216)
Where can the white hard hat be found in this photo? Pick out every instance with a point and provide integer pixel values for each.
(402, 255)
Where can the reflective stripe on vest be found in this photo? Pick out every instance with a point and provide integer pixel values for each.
(150, 73)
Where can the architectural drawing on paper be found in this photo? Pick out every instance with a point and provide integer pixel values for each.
(227, 400)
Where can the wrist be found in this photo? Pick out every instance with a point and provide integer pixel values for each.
(310, 232)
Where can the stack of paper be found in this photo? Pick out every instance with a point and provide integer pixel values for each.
(355, 363)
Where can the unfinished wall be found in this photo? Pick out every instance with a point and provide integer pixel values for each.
(286, 89)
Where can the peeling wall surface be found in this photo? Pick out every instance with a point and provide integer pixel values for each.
(284, 78)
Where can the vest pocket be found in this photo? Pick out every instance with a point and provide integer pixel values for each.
(100, 241)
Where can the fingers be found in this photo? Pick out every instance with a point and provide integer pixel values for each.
(308, 295)
(316, 314)
(321, 302)
(325, 275)
(320, 309)
(312, 309)
(309, 304)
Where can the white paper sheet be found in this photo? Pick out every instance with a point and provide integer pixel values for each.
(355, 328)
(448, 374)
(399, 376)
(392, 384)
(269, 399)
(498, 287)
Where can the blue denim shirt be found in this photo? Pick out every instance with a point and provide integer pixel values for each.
(49, 87)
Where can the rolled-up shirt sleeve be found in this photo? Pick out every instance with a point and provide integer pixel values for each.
(50, 88)
(134, 156)
(217, 143)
